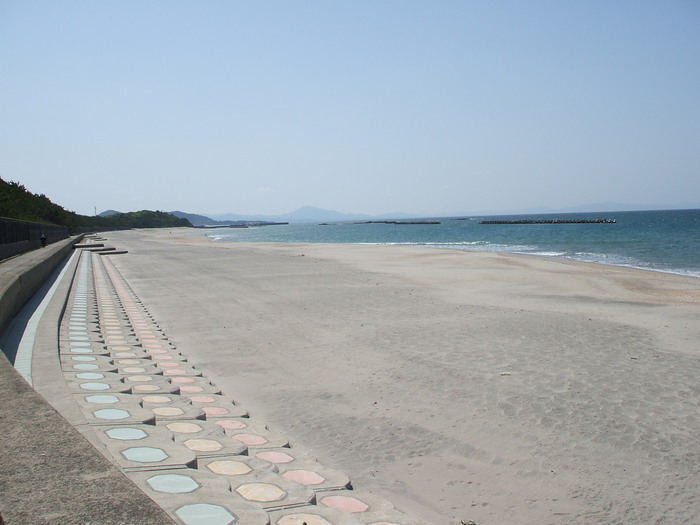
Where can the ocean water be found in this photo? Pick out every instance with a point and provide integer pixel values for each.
(665, 241)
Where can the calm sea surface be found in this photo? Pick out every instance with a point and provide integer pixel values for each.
(666, 241)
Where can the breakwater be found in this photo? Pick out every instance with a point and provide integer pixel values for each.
(399, 222)
(552, 221)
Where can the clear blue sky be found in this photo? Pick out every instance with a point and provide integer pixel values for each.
(360, 106)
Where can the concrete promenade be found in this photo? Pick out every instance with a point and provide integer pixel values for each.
(51, 474)
(135, 434)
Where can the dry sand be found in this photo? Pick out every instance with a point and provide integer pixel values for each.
(458, 385)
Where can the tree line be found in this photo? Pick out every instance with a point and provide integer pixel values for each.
(16, 202)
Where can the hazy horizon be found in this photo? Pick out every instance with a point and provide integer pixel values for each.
(589, 208)
(364, 107)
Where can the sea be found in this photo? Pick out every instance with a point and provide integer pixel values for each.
(664, 241)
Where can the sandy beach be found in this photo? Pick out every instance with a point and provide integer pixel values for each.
(458, 385)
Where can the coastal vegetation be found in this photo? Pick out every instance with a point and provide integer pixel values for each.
(16, 202)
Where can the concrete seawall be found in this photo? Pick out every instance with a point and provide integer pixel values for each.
(50, 471)
(23, 275)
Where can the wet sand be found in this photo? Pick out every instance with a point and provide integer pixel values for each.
(457, 385)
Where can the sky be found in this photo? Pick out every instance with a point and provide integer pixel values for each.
(363, 106)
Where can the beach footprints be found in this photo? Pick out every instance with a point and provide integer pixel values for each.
(189, 446)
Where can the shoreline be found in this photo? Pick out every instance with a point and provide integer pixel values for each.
(438, 246)
(459, 385)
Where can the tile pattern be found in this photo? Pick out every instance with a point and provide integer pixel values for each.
(190, 447)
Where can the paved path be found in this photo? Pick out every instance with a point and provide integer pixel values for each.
(50, 473)
(195, 452)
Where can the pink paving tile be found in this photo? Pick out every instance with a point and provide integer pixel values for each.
(133, 370)
(146, 388)
(191, 388)
(124, 354)
(273, 456)
(215, 411)
(202, 399)
(344, 503)
(262, 492)
(156, 399)
(230, 424)
(182, 380)
(305, 477)
(174, 372)
(139, 379)
(250, 439)
(309, 519)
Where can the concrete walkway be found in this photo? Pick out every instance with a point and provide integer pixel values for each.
(188, 446)
(50, 473)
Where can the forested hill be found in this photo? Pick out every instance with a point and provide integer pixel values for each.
(16, 202)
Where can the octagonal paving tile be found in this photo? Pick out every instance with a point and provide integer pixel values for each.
(237, 465)
(206, 445)
(367, 506)
(175, 411)
(255, 435)
(104, 386)
(271, 491)
(172, 483)
(313, 515)
(147, 453)
(318, 477)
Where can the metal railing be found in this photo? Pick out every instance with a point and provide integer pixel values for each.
(22, 236)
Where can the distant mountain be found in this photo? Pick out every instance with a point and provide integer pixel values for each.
(313, 214)
(107, 213)
(309, 213)
(203, 220)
